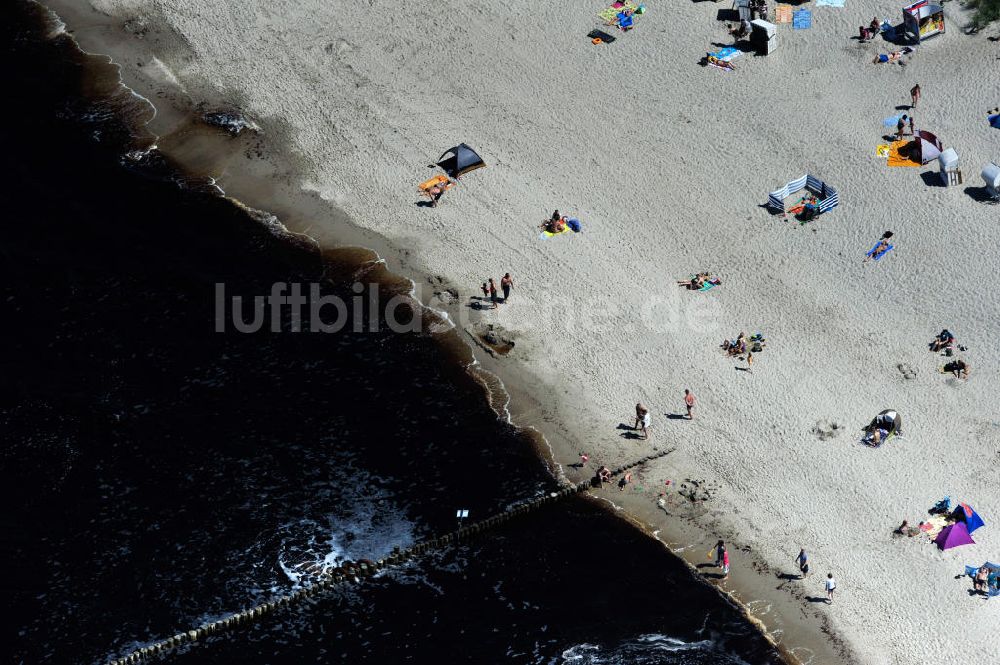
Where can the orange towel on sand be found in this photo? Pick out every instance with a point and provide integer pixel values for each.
(434, 182)
(897, 159)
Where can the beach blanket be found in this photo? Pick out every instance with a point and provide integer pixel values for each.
(709, 284)
(783, 14)
(610, 15)
(728, 53)
(434, 182)
(876, 257)
(933, 525)
(891, 121)
(896, 158)
(601, 35)
(882, 150)
(802, 19)
(829, 3)
(548, 234)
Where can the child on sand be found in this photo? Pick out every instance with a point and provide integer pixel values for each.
(642, 420)
(689, 403)
(831, 586)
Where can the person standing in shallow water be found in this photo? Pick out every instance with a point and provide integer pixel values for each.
(720, 553)
(506, 283)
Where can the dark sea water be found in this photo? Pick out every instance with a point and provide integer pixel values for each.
(156, 473)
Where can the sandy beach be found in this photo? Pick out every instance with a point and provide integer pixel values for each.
(667, 164)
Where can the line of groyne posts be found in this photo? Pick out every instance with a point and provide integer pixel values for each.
(356, 572)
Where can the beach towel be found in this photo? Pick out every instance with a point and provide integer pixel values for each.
(891, 121)
(434, 182)
(896, 158)
(728, 53)
(603, 36)
(882, 150)
(829, 3)
(610, 15)
(709, 284)
(876, 257)
(549, 234)
(783, 14)
(802, 19)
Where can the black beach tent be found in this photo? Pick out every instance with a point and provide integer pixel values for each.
(460, 160)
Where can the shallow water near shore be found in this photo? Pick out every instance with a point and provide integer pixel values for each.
(159, 474)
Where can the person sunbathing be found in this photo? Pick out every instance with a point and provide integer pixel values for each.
(882, 246)
(979, 581)
(944, 339)
(723, 64)
(894, 56)
(555, 224)
(875, 436)
(736, 347)
(959, 368)
(697, 282)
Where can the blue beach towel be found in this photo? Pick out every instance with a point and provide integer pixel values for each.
(728, 53)
(802, 19)
(891, 122)
(871, 252)
(829, 3)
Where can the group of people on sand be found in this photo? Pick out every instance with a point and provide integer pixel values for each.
(699, 281)
(873, 29)
(490, 289)
(944, 342)
(556, 223)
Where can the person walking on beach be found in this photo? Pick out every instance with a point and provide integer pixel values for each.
(493, 293)
(900, 124)
(750, 361)
(914, 96)
(803, 560)
(725, 564)
(689, 403)
(642, 420)
(911, 126)
(831, 586)
(506, 283)
(486, 290)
